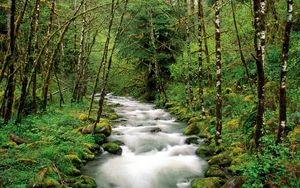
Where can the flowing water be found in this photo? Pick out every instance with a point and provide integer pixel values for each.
(154, 155)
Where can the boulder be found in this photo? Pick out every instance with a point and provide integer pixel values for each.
(234, 182)
(103, 127)
(84, 182)
(210, 182)
(191, 129)
(112, 148)
(223, 160)
(100, 139)
(204, 151)
(192, 140)
(155, 130)
(215, 171)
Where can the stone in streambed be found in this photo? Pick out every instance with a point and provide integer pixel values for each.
(155, 130)
(210, 182)
(100, 139)
(192, 140)
(112, 148)
(204, 151)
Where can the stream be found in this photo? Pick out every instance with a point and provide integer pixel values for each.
(154, 152)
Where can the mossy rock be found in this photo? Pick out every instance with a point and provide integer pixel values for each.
(9, 144)
(104, 127)
(221, 159)
(83, 117)
(88, 156)
(234, 182)
(204, 151)
(84, 182)
(191, 129)
(192, 140)
(215, 171)
(26, 161)
(112, 148)
(92, 147)
(238, 164)
(113, 116)
(210, 182)
(74, 159)
(100, 139)
(50, 182)
(72, 171)
(193, 120)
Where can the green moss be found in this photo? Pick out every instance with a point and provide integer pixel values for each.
(222, 159)
(215, 171)
(191, 129)
(210, 182)
(113, 148)
(84, 182)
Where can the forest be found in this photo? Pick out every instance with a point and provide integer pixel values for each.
(80, 78)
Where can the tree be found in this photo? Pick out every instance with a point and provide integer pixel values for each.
(283, 71)
(200, 63)
(259, 45)
(219, 73)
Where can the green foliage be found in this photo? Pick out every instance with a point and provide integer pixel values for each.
(274, 166)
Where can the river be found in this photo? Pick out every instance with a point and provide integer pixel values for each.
(154, 152)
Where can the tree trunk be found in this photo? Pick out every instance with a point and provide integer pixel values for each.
(259, 44)
(200, 63)
(27, 62)
(52, 61)
(283, 71)
(80, 65)
(10, 88)
(240, 47)
(36, 49)
(205, 37)
(219, 74)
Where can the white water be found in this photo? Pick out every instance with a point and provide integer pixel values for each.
(149, 159)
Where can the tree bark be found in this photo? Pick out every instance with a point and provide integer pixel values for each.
(10, 88)
(219, 74)
(283, 71)
(200, 63)
(259, 44)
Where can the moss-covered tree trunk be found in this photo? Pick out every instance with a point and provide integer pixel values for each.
(28, 60)
(283, 71)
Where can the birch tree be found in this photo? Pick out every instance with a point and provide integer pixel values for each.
(283, 71)
(219, 73)
(259, 7)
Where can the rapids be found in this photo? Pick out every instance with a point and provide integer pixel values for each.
(154, 152)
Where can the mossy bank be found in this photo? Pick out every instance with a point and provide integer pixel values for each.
(48, 150)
